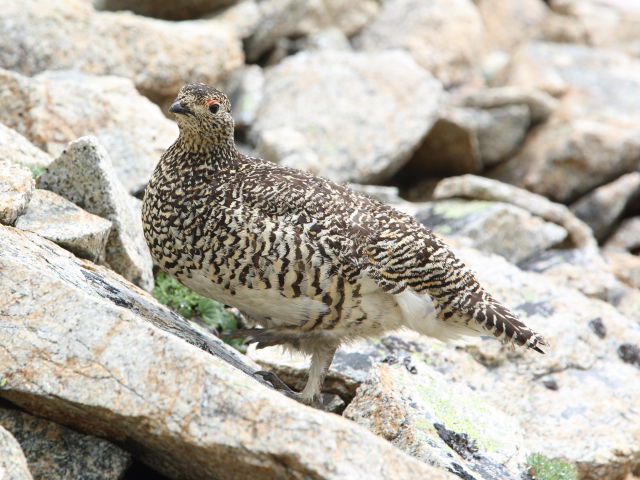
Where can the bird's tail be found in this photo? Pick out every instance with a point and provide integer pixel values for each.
(492, 317)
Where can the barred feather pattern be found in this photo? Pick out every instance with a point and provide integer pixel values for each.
(297, 252)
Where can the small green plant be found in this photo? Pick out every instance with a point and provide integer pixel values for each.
(544, 468)
(191, 305)
(36, 170)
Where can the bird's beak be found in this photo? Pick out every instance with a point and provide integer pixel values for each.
(177, 107)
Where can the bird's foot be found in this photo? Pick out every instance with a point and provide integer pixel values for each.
(280, 386)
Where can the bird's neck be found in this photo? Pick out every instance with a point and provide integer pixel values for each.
(199, 144)
(208, 153)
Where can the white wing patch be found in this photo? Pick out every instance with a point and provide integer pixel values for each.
(420, 314)
(259, 304)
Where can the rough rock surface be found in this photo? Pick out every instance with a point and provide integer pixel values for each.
(541, 105)
(13, 465)
(55, 108)
(293, 18)
(409, 404)
(246, 91)
(626, 236)
(317, 113)
(608, 23)
(56, 452)
(602, 207)
(471, 186)
(584, 269)
(63, 222)
(83, 174)
(444, 36)
(17, 149)
(494, 227)
(625, 266)
(169, 10)
(466, 140)
(159, 56)
(508, 24)
(593, 136)
(16, 188)
(208, 420)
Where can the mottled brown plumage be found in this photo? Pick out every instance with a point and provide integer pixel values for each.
(313, 262)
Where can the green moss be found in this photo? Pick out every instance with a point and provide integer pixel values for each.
(544, 468)
(460, 208)
(196, 307)
(36, 170)
(452, 410)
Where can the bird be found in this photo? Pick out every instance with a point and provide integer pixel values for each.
(312, 262)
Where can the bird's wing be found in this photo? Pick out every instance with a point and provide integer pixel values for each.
(365, 237)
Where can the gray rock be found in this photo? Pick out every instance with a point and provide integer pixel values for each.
(167, 9)
(292, 18)
(445, 37)
(594, 394)
(56, 452)
(541, 105)
(470, 186)
(627, 302)
(57, 219)
(331, 38)
(593, 136)
(509, 24)
(584, 269)
(15, 148)
(347, 116)
(55, 108)
(246, 92)
(243, 17)
(501, 131)
(409, 404)
(159, 56)
(625, 266)
(626, 236)
(16, 188)
(210, 420)
(450, 148)
(493, 227)
(83, 174)
(611, 23)
(13, 465)
(466, 140)
(602, 207)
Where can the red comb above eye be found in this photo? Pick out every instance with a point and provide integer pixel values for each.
(213, 100)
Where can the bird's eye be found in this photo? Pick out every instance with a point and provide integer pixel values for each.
(214, 107)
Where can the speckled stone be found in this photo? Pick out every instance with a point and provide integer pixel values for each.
(55, 108)
(158, 55)
(280, 19)
(318, 112)
(57, 219)
(16, 188)
(445, 37)
(84, 175)
(13, 464)
(55, 452)
(15, 148)
(484, 225)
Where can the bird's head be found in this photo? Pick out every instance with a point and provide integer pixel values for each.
(203, 113)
